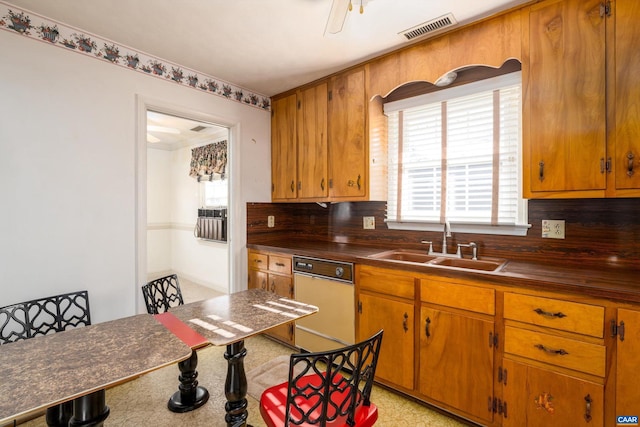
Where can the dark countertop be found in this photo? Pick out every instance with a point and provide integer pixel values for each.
(613, 283)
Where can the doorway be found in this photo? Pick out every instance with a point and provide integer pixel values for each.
(177, 196)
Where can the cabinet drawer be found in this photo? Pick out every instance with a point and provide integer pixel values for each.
(471, 298)
(280, 264)
(386, 282)
(257, 260)
(559, 351)
(567, 316)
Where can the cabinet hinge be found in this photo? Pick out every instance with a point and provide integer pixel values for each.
(360, 307)
(497, 406)
(330, 95)
(502, 375)
(605, 8)
(493, 340)
(299, 104)
(617, 329)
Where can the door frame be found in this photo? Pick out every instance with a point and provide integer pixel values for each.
(143, 104)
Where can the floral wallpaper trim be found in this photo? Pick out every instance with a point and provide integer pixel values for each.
(43, 29)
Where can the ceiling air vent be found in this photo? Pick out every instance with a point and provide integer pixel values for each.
(428, 27)
(198, 128)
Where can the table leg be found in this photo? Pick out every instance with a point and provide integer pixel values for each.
(59, 415)
(89, 410)
(189, 396)
(235, 387)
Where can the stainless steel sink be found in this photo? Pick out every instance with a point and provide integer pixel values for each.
(422, 257)
(469, 264)
(404, 255)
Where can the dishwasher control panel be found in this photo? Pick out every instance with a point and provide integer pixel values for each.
(335, 270)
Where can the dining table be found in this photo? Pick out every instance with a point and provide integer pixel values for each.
(79, 364)
(228, 320)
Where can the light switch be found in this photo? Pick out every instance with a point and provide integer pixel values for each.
(369, 222)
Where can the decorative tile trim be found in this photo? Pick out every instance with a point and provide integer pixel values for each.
(37, 27)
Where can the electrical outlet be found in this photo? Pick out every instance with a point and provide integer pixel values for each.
(271, 221)
(369, 222)
(552, 229)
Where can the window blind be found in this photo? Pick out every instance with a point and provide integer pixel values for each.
(455, 155)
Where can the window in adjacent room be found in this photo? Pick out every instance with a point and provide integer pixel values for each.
(454, 155)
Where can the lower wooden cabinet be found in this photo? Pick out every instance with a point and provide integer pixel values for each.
(272, 272)
(456, 361)
(628, 361)
(396, 360)
(537, 397)
(386, 301)
(457, 346)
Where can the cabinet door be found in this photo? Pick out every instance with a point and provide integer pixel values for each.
(566, 97)
(395, 363)
(347, 153)
(258, 279)
(627, 93)
(536, 397)
(283, 148)
(312, 143)
(627, 390)
(281, 285)
(456, 361)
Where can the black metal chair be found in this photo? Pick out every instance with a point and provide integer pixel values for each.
(159, 296)
(162, 293)
(43, 316)
(330, 388)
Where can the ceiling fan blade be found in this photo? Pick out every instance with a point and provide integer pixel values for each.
(337, 16)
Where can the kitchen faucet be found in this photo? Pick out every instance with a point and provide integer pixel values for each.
(447, 233)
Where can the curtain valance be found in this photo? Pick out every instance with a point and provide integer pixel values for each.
(209, 159)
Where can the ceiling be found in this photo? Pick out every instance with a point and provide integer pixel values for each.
(266, 46)
(167, 132)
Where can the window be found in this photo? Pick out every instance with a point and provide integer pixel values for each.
(454, 155)
(214, 193)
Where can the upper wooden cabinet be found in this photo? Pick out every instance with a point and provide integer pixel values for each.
(573, 86)
(625, 135)
(283, 148)
(347, 137)
(321, 145)
(312, 142)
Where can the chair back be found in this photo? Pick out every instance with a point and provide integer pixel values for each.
(161, 294)
(43, 316)
(331, 385)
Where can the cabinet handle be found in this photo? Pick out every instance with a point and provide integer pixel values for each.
(279, 264)
(273, 286)
(630, 157)
(426, 327)
(359, 182)
(587, 407)
(322, 184)
(541, 172)
(293, 188)
(548, 350)
(257, 260)
(405, 325)
(558, 315)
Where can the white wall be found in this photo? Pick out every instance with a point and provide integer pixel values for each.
(173, 201)
(69, 213)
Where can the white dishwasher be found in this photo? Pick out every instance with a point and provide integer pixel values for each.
(329, 286)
